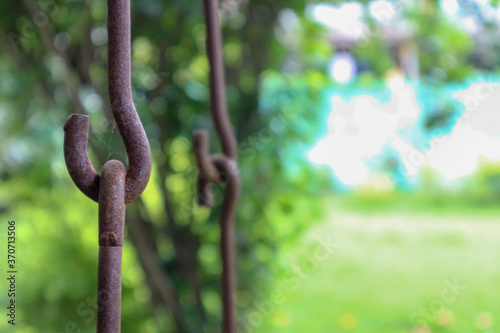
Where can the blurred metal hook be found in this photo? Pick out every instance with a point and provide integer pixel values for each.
(117, 185)
(220, 168)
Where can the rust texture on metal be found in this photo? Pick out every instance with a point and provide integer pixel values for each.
(220, 168)
(117, 184)
(77, 158)
(124, 113)
(122, 104)
(111, 229)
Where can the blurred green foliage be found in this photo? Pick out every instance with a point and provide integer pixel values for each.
(53, 63)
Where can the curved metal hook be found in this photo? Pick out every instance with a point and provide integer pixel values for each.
(122, 105)
(220, 168)
(76, 136)
(214, 169)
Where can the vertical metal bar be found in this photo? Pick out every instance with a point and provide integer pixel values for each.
(111, 229)
(120, 96)
(225, 165)
(217, 80)
(117, 185)
(228, 277)
(227, 246)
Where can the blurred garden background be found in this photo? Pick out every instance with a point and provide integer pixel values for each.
(369, 149)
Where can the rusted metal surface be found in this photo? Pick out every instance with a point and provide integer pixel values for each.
(117, 185)
(111, 228)
(217, 81)
(122, 105)
(220, 168)
(229, 173)
(227, 170)
(81, 171)
(124, 113)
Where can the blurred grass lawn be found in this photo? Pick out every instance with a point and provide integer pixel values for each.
(391, 263)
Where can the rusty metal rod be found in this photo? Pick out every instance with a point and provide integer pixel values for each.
(225, 165)
(117, 185)
(229, 172)
(122, 104)
(217, 80)
(111, 230)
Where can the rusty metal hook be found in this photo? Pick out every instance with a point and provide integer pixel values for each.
(129, 125)
(220, 168)
(117, 185)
